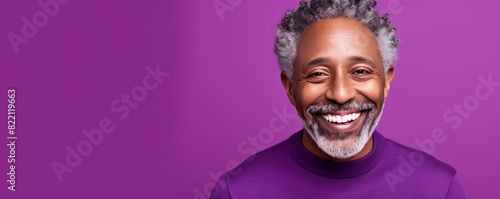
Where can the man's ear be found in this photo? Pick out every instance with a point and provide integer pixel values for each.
(288, 87)
(388, 79)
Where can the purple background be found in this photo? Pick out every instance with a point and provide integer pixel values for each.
(222, 88)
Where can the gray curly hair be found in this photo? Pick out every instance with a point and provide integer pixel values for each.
(308, 12)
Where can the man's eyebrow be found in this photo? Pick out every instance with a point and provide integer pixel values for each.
(318, 60)
(360, 59)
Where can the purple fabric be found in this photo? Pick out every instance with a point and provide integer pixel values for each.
(390, 170)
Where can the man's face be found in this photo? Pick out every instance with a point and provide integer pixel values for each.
(339, 85)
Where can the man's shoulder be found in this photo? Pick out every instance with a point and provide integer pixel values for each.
(270, 161)
(409, 161)
(274, 155)
(255, 172)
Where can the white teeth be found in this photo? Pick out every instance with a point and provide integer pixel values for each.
(332, 118)
(341, 119)
(356, 115)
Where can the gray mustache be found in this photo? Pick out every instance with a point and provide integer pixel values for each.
(326, 108)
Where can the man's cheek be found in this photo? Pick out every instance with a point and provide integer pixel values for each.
(311, 93)
(372, 90)
(301, 105)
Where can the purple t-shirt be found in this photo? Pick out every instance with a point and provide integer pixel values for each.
(390, 170)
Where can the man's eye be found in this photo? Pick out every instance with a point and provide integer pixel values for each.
(361, 72)
(317, 74)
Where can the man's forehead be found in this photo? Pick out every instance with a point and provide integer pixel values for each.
(338, 30)
(344, 36)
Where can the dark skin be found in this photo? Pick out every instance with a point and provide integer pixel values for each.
(337, 61)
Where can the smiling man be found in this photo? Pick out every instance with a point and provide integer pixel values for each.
(337, 60)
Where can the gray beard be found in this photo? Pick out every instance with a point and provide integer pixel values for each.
(335, 144)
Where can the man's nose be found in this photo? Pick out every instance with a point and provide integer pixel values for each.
(340, 90)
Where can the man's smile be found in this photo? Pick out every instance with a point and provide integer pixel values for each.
(341, 122)
(340, 118)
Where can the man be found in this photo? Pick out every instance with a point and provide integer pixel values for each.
(337, 58)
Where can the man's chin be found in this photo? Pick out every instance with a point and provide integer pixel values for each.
(340, 148)
(344, 140)
(340, 136)
(341, 145)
